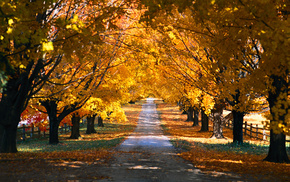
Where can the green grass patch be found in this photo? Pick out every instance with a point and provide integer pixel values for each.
(87, 141)
(181, 144)
(245, 148)
(68, 145)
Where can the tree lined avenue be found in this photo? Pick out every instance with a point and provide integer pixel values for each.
(63, 60)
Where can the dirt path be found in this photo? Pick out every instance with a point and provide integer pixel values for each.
(147, 155)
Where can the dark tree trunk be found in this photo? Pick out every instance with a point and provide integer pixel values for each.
(195, 118)
(100, 122)
(238, 119)
(217, 121)
(54, 121)
(277, 150)
(91, 124)
(189, 113)
(1, 137)
(75, 132)
(53, 131)
(11, 106)
(204, 121)
(8, 139)
(55, 118)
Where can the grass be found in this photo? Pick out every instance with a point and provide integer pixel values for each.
(106, 137)
(213, 156)
(181, 144)
(245, 148)
(68, 145)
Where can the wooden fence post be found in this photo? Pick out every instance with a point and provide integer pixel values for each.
(251, 128)
(257, 131)
(246, 128)
(23, 132)
(32, 130)
(264, 134)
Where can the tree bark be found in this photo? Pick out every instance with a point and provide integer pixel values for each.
(100, 122)
(54, 120)
(189, 113)
(75, 132)
(277, 150)
(51, 108)
(12, 103)
(195, 118)
(204, 121)
(91, 124)
(238, 120)
(217, 121)
(53, 131)
(8, 139)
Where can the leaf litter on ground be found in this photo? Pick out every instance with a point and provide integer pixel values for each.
(219, 155)
(37, 159)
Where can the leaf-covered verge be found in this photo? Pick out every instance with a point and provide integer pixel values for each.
(216, 156)
(71, 159)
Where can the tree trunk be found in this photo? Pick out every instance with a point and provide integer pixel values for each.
(53, 131)
(75, 132)
(8, 139)
(277, 150)
(195, 118)
(238, 120)
(189, 113)
(204, 121)
(11, 105)
(217, 121)
(54, 121)
(100, 122)
(91, 124)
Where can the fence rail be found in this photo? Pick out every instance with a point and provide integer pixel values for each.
(27, 132)
(251, 130)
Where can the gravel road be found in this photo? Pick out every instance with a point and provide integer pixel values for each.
(147, 155)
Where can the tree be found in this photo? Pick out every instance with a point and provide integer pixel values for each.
(244, 40)
(217, 112)
(34, 37)
(24, 31)
(75, 131)
(91, 124)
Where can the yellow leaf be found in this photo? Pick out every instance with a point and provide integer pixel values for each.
(9, 30)
(47, 46)
(10, 22)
